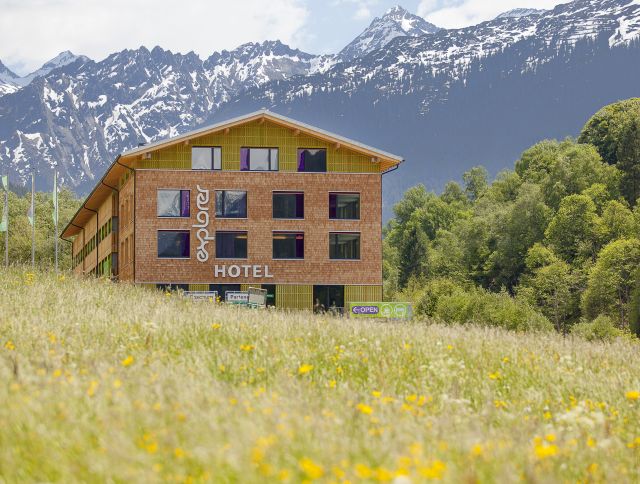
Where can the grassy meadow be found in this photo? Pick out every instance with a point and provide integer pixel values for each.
(106, 382)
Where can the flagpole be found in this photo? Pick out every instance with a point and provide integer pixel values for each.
(55, 210)
(33, 220)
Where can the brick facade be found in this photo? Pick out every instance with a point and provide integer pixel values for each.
(316, 268)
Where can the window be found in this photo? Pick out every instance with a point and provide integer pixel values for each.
(312, 160)
(173, 244)
(259, 159)
(231, 245)
(344, 206)
(206, 158)
(288, 245)
(344, 246)
(231, 204)
(173, 203)
(288, 205)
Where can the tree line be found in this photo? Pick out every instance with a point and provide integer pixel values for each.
(552, 243)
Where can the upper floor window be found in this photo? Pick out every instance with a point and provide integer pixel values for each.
(344, 206)
(173, 203)
(173, 244)
(343, 245)
(288, 205)
(259, 159)
(231, 204)
(231, 245)
(288, 245)
(206, 158)
(312, 160)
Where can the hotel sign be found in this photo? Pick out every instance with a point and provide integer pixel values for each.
(235, 271)
(203, 236)
(380, 310)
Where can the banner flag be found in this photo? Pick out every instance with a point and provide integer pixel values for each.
(55, 198)
(31, 208)
(5, 182)
(4, 222)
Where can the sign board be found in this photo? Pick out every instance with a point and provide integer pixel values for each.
(381, 310)
(202, 295)
(236, 297)
(257, 297)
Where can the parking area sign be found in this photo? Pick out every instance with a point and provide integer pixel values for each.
(378, 310)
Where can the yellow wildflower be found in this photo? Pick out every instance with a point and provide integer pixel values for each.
(304, 369)
(216, 326)
(178, 452)
(364, 408)
(550, 437)
(477, 450)
(363, 471)
(128, 361)
(9, 345)
(544, 450)
(632, 395)
(310, 468)
(495, 376)
(434, 471)
(247, 348)
(332, 383)
(93, 386)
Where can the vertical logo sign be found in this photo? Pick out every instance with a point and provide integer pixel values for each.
(202, 201)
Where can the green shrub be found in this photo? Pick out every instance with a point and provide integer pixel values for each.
(600, 329)
(432, 292)
(490, 309)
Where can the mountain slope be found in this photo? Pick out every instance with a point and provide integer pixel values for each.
(396, 22)
(433, 98)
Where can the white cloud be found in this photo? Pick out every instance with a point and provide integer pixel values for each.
(461, 13)
(33, 31)
(363, 7)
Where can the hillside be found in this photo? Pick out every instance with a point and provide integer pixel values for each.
(106, 382)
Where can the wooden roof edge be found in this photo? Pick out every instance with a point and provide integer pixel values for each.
(94, 196)
(276, 118)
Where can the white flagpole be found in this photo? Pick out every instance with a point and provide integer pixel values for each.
(33, 220)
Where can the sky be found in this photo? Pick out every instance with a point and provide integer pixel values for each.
(34, 31)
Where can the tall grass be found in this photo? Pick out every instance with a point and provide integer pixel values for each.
(105, 382)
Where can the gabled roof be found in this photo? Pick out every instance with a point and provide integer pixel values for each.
(271, 116)
(124, 161)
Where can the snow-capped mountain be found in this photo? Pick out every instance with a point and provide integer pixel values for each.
(8, 80)
(445, 100)
(11, 82)
(521, 12)
(61, 60)
(396, 22)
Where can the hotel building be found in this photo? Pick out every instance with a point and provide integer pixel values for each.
(257, 201)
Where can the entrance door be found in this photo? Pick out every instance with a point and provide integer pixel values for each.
(328, 298)
(271, 294)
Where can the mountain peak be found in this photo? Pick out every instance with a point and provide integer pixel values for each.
(396, 22)
(520, 12)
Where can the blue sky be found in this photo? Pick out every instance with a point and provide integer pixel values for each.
(34, 31)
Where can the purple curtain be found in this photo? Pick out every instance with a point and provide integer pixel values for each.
(300, 246)
(185, 196)
(301, 160)
(299, 205)
(333, 205)
(244, 159)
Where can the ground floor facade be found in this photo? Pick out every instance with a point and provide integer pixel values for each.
(290, 296)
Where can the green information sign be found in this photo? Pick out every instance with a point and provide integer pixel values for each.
(381, 310)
